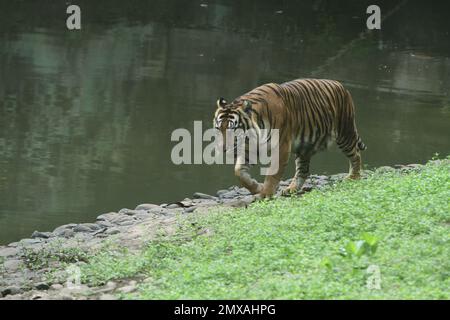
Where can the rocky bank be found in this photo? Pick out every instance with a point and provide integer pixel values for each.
(37, 267)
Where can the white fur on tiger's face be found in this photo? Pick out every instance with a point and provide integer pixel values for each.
(230, 123)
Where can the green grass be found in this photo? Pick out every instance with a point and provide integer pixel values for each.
(318, 246)
(39, 259)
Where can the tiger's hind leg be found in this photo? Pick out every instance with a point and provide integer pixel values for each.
(354, 156)
(348, 139)
(301, 174)
(355, 166)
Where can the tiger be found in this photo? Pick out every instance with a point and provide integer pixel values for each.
(310, 115)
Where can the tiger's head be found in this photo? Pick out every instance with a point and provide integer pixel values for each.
(230, 117)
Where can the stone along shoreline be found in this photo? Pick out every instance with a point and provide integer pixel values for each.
(36, 267)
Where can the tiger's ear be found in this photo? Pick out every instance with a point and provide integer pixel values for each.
(221, 102)
(247, 106)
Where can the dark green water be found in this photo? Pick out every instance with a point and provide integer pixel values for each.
(86, 116)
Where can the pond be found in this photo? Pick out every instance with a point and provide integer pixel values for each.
(86, 116)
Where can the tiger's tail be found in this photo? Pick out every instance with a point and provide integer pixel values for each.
(359, 144)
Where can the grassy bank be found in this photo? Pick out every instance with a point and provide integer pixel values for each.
(392, 227)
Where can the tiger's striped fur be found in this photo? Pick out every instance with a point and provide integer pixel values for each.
(309, 113)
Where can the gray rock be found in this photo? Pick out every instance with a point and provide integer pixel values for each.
(12, 265)
(172, 206)
(229, 194)
(41, 286)
(129, 212)
(93, 226)
(221, 192)
(119, 219)
(339, 176)
(112, 231)
(12, 290)
(13, 244)
(56, 286)
(26, 274)
(108, 287)
(43, 235)
(39, 296)
(7, 252)
(159, 211)
(65, 233)
(127, 223)
(83, 237)
(321, 182)
(186, 202)
(206, 203)
(76, 290)
(143, 216)
(243, 191)
(384, 169)
(146, 206)
(99, 231)
(29, 242)
(105, 224)
(107, 296)
(129, 288)
(199, 195)
(69, 226)
(107, 216)
(86, 227)
(239, 202)
(190, 209)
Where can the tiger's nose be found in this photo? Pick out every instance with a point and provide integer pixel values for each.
(232, 125)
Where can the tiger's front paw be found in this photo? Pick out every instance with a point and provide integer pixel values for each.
(289, 191)
(256, 189)
(265, 194)
(353, 177)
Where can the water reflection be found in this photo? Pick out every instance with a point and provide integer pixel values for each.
(86, 117)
